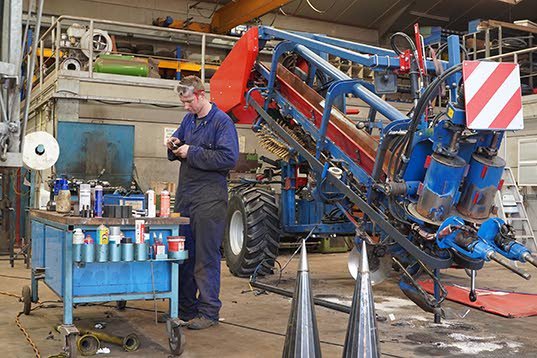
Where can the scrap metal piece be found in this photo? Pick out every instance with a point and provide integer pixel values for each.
(361, 339)
(302, 337)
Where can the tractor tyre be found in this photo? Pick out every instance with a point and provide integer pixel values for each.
(252, 235)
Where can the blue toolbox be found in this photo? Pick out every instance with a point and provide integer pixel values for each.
(83, 261)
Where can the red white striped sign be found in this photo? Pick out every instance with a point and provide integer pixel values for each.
(493, 96)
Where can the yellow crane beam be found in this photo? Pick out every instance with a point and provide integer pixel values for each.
(234, 13)
(241, 11)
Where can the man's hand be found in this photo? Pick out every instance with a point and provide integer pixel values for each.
(173, 143)
(182, 151)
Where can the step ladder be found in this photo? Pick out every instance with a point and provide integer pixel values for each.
(511, 209)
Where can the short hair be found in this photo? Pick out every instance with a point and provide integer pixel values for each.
(189, 83)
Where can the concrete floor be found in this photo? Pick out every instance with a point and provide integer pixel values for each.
(254, 326)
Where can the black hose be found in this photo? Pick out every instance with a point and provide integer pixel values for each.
(406, 37)
(317, 301)
(422, 104)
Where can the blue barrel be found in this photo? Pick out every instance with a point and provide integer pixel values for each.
(481, 186)
(101, 252)
(141, 252)
(127, 251)
(88, 252)
(440, 186)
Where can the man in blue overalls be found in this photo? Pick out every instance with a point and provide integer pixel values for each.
(207, 146)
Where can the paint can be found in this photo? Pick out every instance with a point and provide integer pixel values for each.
(78, 243)
(114, 246)
(127, 249)
(88, 250)
(140, 251)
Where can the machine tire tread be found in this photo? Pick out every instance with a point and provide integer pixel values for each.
(262, 234)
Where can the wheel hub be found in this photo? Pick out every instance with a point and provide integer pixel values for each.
(236, 233)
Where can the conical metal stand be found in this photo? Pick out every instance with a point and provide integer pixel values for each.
(362, 337)
(302, 337)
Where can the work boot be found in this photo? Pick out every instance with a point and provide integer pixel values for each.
(201, 323)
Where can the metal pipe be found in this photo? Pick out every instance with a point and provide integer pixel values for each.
(57, 45)
(130, 343)
(472, 295)
(31, 72)
(529, 258)
(319, 302)
(203, 39)
(132, 25)
(507, 264)
(91, 49)
(88, 345)
(358, 90)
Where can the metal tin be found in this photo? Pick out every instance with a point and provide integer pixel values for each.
(141, 251)
(480, 187)
(77, 252)
(127, 251)
(88, 252)
(440, 187)
(101, 252)
(114, 249)
(78, 241)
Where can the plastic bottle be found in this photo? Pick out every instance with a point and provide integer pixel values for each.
(164, 204)
(150, 208)
(44, 196)
(63, 202)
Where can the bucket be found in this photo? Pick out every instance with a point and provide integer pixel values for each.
(176, 243)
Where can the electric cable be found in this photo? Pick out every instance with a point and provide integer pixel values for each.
(320, 11)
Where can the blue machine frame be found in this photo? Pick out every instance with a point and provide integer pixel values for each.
(443, 172)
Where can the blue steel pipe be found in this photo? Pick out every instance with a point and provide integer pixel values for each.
(381, 59)
(358, 90)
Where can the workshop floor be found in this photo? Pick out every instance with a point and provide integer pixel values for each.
(254, 326)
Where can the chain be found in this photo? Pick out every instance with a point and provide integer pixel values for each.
(19, 324)
(27, 336)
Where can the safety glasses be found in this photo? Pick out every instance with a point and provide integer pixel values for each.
(184, 90)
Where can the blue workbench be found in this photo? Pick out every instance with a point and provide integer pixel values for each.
(80, 282)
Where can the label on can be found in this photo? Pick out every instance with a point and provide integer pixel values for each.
(139, 231)
(160, 249)
(102, 235)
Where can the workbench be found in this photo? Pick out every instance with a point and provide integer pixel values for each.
(90, 282)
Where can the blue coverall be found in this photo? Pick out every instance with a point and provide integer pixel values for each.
(202, 196)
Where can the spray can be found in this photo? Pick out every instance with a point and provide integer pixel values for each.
(78, 242)
(88, 250)
(98, 201)
(150, 208)
(114, 246)
(164, 204)
(101, 246)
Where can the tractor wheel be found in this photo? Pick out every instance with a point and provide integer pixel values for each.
(252, 236)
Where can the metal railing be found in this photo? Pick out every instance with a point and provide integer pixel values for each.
(52, 38)
(515, 55)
